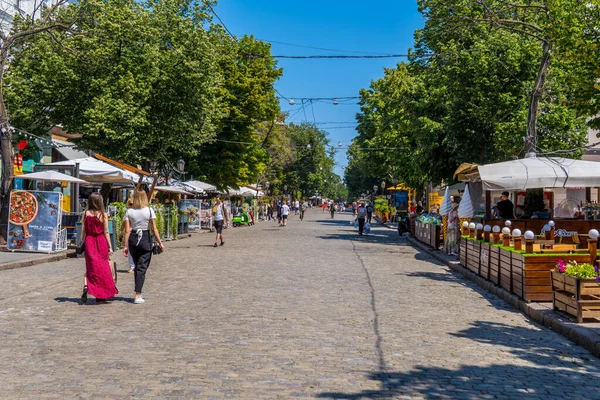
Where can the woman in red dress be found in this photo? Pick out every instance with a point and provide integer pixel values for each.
(99, 280)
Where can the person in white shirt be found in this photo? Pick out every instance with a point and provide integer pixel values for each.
(297, 207)
(285, 211)
(220, 218)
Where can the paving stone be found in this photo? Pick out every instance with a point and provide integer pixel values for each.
(310, 310)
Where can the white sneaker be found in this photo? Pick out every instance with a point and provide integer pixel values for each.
(139, 300)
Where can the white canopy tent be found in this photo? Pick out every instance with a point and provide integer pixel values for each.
(201, 186)
(249, 192)
(172, 189)
(51, 176)
(96, 171)
(540, 172)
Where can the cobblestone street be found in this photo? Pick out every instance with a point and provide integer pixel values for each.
(309, 310)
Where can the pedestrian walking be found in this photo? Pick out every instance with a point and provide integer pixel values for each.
(369, 209)
(296, 207)
(332, 210)
(361, 216)
(452, 245)
(221, 218)
(98, 281)
(303, 208)
(354, 209)
(269, 211)
(285, 212)
(279, 213)
(140, 221)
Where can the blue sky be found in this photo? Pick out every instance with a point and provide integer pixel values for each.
(352, 26)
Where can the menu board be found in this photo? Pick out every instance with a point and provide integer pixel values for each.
(192, 209)
(34, 221)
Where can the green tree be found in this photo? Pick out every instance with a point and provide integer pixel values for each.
(238, 154)
(142, 82)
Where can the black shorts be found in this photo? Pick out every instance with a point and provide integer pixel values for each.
(219, 226)
(285, 217)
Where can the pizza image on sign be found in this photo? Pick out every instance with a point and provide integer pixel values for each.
(23, 209)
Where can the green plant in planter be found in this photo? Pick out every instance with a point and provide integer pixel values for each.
(575, 270)
(159, 210)
(381, 205)
(174, 220)
(121, 210)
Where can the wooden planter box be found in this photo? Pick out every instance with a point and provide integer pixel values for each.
(473, 255)
(484, 261)
(526, 276)
(463, 251)
(494, 275)
(577, 297)
(428, 234)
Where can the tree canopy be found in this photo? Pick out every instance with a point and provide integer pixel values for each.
(463, 95)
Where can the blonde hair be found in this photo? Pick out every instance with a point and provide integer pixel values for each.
(140, 199)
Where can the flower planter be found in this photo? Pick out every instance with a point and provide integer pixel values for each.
(577, 297)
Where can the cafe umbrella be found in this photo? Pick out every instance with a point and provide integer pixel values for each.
(51, 176)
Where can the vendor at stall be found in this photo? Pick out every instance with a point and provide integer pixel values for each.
(506, 207)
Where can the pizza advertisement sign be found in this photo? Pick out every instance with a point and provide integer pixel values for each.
(34, 221)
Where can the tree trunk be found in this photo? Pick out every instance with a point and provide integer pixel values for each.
(532, 114)
(6, 152)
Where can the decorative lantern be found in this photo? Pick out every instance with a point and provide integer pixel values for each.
(517, 239)
(506, 236)
(472, 227)
(529, 239)
(593, 245)
(486, 233)
(496, 231)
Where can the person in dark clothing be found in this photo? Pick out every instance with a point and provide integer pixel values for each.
(420, 208)
(505, 207)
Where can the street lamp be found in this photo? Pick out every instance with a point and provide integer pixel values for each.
(153, 165)
(181, 165)
(267, 184)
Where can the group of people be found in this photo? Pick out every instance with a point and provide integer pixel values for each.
(139, 227)
(283, 209)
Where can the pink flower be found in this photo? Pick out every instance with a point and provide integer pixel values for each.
(562, 269)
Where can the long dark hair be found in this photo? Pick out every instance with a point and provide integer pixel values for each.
(96, 203)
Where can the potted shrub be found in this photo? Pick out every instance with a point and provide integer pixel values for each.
(576, 289)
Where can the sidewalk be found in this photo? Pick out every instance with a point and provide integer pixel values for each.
(10, 260)
(586, 335)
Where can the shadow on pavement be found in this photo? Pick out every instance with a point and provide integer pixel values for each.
(91, 301)
(552, 373)
(373, 237)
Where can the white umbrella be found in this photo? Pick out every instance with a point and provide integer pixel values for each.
(465, 208)
(446, 203)
(51, 176)
(540, 172)
(201, 186)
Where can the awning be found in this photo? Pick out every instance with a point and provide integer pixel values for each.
(467, 172)
(540, 172)
(171, 189)
(96, 171)
(51, 176)
(201, 186)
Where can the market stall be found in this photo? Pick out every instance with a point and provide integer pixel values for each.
(520, 254)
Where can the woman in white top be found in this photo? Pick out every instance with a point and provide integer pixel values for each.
(139, 221)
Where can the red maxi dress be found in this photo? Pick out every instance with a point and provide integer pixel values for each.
(97, 265)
